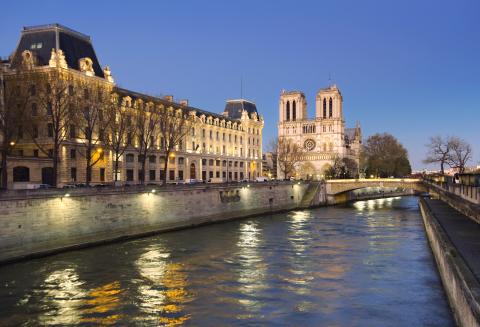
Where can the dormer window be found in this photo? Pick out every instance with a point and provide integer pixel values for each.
(36, 45)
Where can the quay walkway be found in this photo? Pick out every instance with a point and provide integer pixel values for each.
(455, 242)
(462, 231)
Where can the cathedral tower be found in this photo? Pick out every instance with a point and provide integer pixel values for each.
(328, 103)
(292, 106)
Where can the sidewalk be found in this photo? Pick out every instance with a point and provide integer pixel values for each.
(462, 231)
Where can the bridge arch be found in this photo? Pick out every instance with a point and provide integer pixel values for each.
(335, 187)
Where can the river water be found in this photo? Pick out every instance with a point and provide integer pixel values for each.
(363, 264)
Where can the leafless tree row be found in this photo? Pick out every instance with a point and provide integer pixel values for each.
(50, 109)
(451, 151)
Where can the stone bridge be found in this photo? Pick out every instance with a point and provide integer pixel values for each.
(336, 187)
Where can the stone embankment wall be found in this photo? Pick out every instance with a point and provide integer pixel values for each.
(461, 286)
(36, 223)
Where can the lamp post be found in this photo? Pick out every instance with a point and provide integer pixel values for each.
(227, 169)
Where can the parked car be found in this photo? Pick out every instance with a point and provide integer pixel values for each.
(191, 181)
(216, 180)
(69, 186)
(44, 186)
(261, 179)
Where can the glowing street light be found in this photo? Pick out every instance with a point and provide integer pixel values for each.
(12, 143)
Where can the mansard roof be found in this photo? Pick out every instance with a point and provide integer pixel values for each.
(146, 97)
(40, 40)
(234, 108)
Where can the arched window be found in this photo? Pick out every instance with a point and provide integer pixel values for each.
(294, 110)
(324, 108)
(288, 111)
(330, 107)
(21, 174)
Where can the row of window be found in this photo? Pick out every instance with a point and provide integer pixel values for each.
(32, 90)
(225, 136)
(294, 110)
(330, 108)
(152, 175)
(22, 174)
(308, 129)
(130, 157)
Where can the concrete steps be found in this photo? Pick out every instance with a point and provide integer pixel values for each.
(309, 195)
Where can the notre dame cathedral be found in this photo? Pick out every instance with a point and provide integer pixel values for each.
(324, 137)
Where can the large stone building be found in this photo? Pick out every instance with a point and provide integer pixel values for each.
(322, 138)
(224, 146)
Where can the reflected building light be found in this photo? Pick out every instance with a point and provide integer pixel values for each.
(360, 205)
(63, 294)
(252, 271)
(299, 234)
(164, 291)
(102, 304)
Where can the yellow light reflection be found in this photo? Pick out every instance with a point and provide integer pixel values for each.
(163, 293)
(100, 300)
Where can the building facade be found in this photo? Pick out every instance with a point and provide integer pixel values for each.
(269, 165)
(225, 146)
(323, 138)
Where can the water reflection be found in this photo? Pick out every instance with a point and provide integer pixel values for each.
(299, 237)
(364, 264)
(101, 303)
(372, 205)
(251, 273)
(63, 295)
(163, 290)
(299, 234)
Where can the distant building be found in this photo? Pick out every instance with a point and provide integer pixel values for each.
(227, 145)
(269, 165)
(324, 137)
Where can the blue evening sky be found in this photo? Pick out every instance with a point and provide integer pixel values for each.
(410, 67)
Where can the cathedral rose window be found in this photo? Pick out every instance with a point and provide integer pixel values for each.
(309, 145)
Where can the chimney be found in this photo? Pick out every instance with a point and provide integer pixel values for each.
(168, 98)
(184, 102)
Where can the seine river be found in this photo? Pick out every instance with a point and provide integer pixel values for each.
(362, 264)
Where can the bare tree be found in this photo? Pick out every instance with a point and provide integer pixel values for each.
(15, 95)
(120, 131)
(55, 108)
(272, 146)
(337, 170)
(147, 121)
(174, 125)
(461, 153)
(92, 101)
(438, 151)
(288, 155)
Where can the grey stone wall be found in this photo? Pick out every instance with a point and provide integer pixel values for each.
(38, 225)
(458, 281)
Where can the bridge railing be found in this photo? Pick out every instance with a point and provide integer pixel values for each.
(375, 180)
(468, 192)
